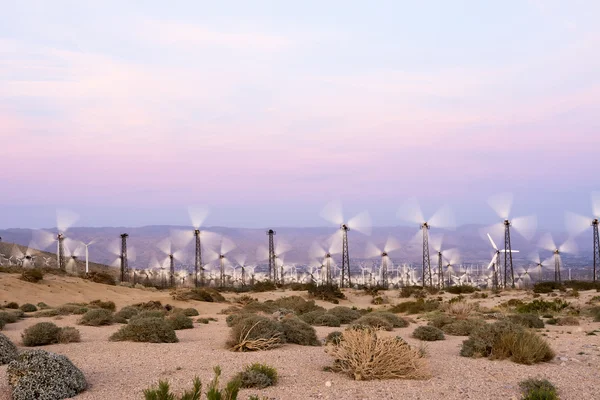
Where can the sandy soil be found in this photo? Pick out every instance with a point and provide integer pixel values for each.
(123, 370)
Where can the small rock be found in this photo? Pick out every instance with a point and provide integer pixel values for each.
(563, 358)
(328, 383)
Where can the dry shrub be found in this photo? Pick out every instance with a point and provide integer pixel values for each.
(326, 320)
(180, 321)
(68, 334)
(311, 317)
(40, 334)
(567, 321)
(107, 305)
(100, 277)
(428, 333)
(199, 294)
(462, 327)
(363, 355)
(373, 321)
(297, 304)
(70, 308)
(393, 319)
(28, 307)
(244, 299)
(527, 320)
(190, 312)
(32, 275)
(255, 333)
(459, 309)
(127, 312)
(148, 314)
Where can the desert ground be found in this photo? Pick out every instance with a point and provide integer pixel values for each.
(122, 370)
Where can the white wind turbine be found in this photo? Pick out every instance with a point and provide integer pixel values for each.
(569, 247)
(495, 263)
(87, 254)
(386, 266)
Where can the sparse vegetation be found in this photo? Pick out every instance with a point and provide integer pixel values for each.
(190, 312)
(567, 321)
(363, 355)
(257, 376)
(127, 312)
(527, 320)
(538, 389)
(40, 334)
(13, 305)
(198, 294)
(153, 330)
(97, 317)
(101, 277)
(542, 306)
(253, 332)
(107, 305)
(461, 289)
(326, 319)
(214, 392)
(331, 293)
(334, 337)
(428, 333)
(415, 307)
(393, 319)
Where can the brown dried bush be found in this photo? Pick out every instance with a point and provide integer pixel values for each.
(363, 355)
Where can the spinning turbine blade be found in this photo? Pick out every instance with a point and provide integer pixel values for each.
(131, 253)
(501, 203)
(43, 238)
(65, 219)
(332, 212)
(493, 261)
(546, 242)
(372, 251)
(443, 218)
(535, 257)
(361, 223)
(391, 245)
(576, 224)
(492, 241)
(568, 247)
(240, 259)
(282, 247)
(316, 251)
(165, 246)
(182, 237)
(526, 226)
(435, 241)
(114, 247)
(227, 245)
(262, 253)
(197, 215)
(410, 211)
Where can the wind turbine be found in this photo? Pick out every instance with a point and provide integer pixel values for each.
(226, 245)
(496, 263)
(577, 224)
(25, 258)
(333, 213)
(323, 257)
(166, 247)
(569, 247)
(241, 260)
(526, 226)
(87, 254)
(451, 255)
(275, 255)
(539, 264)
(118, 248)
(373, 251)
(73, 252)
(410, 211)
(182, 238)
(64, 220)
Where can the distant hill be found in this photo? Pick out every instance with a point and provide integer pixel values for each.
(474, 248)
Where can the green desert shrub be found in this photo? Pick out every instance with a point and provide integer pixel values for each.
(547, 287)
(2, 324)
(97, 317)
(461, 289)
(297, 304)
(311, 316)
(127, 312)
(428, 333)
(327, 320)
(415, 307)
(205, 320)
(214, 392)
(297, 331)
(190, 312)
(527, 320)
(153, 330)
(28, 307)
(233, 319)
(264, 286)
(12, 305)
(9, 317)
(334, 337)
(505, 340)
(47, 313)
(179, 321)
(107, 305)
(42, 306)
(373, 321)
(68, 334)
(393, 319)
(538, 389)
(257, 376)
(254, 332)
(542, 306)
(68, 309)
(346, 315)
(331, 293)
(38, 374)
(440, 320)
(8, 351)
(40, 334)
(148, 314)
(462, 327)
(408, 291)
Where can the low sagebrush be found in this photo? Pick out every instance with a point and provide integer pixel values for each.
(153, 330)
(363, 355)
(257, 376)
(428, 333)
(68, 334)
(346, 315)
(373, 321)
(299, 332)
(41, 334)
(327, 320)
(462, 327)
(107, 305)
(28, 307)
(179, 321)
(538, 389)
(393, 319)
(254, 333)
(97, 317)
